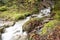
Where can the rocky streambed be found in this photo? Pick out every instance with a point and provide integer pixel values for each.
(14, 30)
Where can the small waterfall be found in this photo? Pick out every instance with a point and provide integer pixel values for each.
(45, 11)
(15, 32)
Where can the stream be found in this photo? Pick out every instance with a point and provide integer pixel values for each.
(15, 32)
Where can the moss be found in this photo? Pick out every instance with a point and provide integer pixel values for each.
(14, 15)
(48, 27)
(15, 10)
(56, 6)
(11, 13)
(57, 10)
(3, 8)
(31, 24)
(57, 15)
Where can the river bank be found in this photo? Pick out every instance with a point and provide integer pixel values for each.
(17, 30)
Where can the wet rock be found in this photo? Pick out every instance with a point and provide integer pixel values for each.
(19, 37)
(4, 24)
(46, 21)
(31, 24)
(34, 15)
(1, 29)
(24, 38)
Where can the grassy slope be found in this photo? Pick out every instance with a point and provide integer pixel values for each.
(13, 14)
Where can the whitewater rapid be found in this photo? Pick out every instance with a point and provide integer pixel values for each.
(16, 32)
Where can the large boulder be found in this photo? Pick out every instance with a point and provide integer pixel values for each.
(31, 24)
(4, 24)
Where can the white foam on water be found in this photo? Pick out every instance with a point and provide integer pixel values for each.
(14, 30)
(46, 12)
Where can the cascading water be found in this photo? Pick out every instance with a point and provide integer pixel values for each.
(15, 32)
(12, 33)
(46, 12)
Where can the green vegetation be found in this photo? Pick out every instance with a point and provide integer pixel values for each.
(17, 9)
(57, 10)
(7, 15)
(57, 15)
(48, 27)
(31, 24)
(3, 8)
(56, 6)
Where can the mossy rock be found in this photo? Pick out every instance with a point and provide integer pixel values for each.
(31, 24)
(48, 27)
